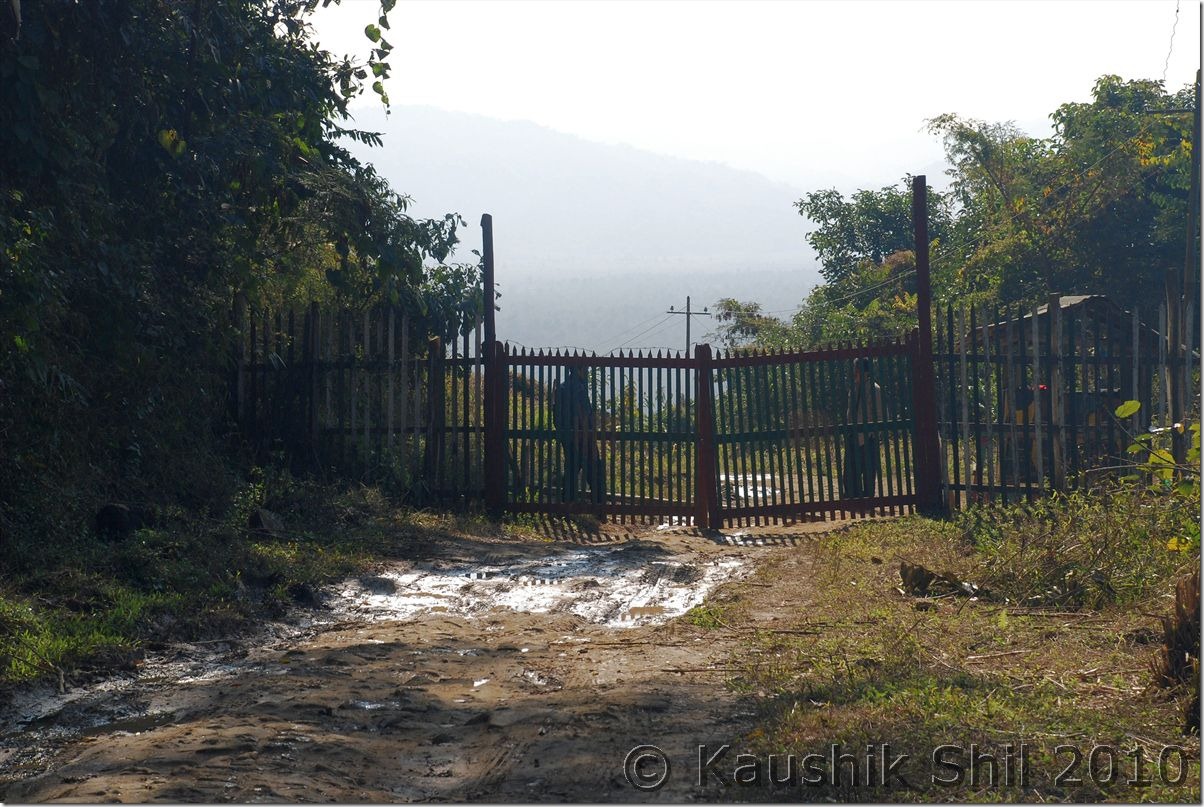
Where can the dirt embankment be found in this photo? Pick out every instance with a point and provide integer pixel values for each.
(482, 670)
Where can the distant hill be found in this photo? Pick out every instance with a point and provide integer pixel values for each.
(590, 236)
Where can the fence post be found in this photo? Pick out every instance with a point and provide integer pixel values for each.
(923, 387)
(1057, 431)
(495, 424)
(314, 345)
(435, 413)
(706, 500)
(238, 354)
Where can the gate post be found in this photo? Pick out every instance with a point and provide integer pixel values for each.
(496, 370)
(313, 346)
(706, 499)
(923, 380)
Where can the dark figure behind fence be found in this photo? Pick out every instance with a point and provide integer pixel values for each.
(576, 429)
(861, 445)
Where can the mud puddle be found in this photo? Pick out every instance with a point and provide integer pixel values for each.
(474, 661)
(613, 587)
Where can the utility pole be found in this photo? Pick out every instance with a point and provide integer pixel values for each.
(705, 312)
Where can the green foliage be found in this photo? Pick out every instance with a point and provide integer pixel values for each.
(1099, 207)
(1154, 454)
(159, 165)
(867, 228)
(1085, 549)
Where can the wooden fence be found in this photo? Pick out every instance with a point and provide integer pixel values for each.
(1026, 398)
(362, 395)
(1024, 401)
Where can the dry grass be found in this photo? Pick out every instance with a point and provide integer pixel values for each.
(855, 661)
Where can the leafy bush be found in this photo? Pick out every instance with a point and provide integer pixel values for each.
(1086, 549)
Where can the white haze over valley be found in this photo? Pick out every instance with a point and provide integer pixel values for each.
(593, 238)
(635, 153)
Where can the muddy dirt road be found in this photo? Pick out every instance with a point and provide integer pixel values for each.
(480, 669)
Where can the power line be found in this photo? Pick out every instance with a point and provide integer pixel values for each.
(630, 328)
(666, 318)
(1171, 48)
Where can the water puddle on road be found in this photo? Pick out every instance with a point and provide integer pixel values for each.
(616, 587)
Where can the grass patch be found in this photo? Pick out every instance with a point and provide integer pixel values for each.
(708, 616)
(85, 607)
(1059, 667)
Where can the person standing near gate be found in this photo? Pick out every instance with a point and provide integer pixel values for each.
(576, 429)
(861, 445)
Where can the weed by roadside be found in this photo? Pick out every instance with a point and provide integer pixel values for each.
(857, 662)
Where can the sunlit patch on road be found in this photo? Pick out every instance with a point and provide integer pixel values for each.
(616, 587)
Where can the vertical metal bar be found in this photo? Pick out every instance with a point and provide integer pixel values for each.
(251, 422)
(1056, 432)
(317, 372)
(976, 383)
(1079, 403)
(832, 380)
(466, 421)
(1188, 398)
(1012, 378)
(901, 412)
(963, 392)
(548, 453)
(906, 445)
(884, 375)
(267, 388)
(722, 430)
(990, 399)
(453, 424)
(802, 440)
(353, 382)
(291, 375)
(904, 410)
(756, 400)
(1105, 327)
(736, 444)
(366, 375)
(944, 383)
(706, 505)
(658, 428)
(379, 427)
(621, 483)
(1028, 376)
(764, 444)
(954, 396)
(1163, 372)
(1038, 415)
(789, 411)
(743, 413)
(762, 448)
(1136, 371)
(391, 372)
(821, 419)
(780, 422)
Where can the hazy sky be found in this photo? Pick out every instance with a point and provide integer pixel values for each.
(802, 92)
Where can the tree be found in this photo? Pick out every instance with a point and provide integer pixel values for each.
(1099, 207)
(865, 228)
(159, 161)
